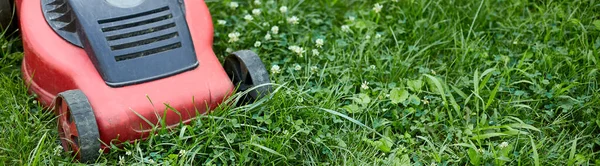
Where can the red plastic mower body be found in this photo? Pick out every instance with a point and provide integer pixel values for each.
(52, 65)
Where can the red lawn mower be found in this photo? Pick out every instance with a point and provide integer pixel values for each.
(108, 68)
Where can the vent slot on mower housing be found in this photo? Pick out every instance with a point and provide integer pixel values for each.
(59, 17)
(127, 45)
(139, 29)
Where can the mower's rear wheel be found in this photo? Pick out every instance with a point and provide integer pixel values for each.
(247, 72)
(77, 126)
(6, 14)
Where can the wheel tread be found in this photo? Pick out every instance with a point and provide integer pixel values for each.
(257, 71)
(85, 120)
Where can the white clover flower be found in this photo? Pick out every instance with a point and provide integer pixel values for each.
(293, 48)
(283, 9)
(275, 29)
(372, 67)
(293, 20)
(57, 150)
(345, 28)
(503, 145)
(229, 50)
(121, 160)
(234, 37)
(364, 85)
(319, 43)
(128, 153)
(378, 36)
(221, 22)
(314, 69)
(257, 44)
(275, 69)
(425, 101)
(182, 152)
(268, 36)
(257, 2)
(248, 17)
(256, 12)
(298, 50)
(297, 67)
(315, 52)
(351, 18)
(234, 5)
(377, 8)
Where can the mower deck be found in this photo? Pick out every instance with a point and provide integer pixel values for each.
(72, 80)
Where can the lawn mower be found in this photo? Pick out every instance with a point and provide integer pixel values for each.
(112, 69)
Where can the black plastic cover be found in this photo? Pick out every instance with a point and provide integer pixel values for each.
(135, 44)
(60, 17)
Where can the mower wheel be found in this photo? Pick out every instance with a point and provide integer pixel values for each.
(6, 14)
(247, 72)
(77, 125)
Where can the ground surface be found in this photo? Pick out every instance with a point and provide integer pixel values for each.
(418, 82)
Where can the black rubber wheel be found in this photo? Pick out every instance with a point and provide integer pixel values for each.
(6, 14)
(77, 126)
(246, 71)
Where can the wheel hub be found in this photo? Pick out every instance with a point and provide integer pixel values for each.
(67, 128)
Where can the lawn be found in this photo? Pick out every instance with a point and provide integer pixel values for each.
(374, 82)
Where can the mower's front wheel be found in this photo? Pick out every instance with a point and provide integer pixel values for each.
(247, 72)
(77, 125)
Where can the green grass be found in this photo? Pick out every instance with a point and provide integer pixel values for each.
(450, 82)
